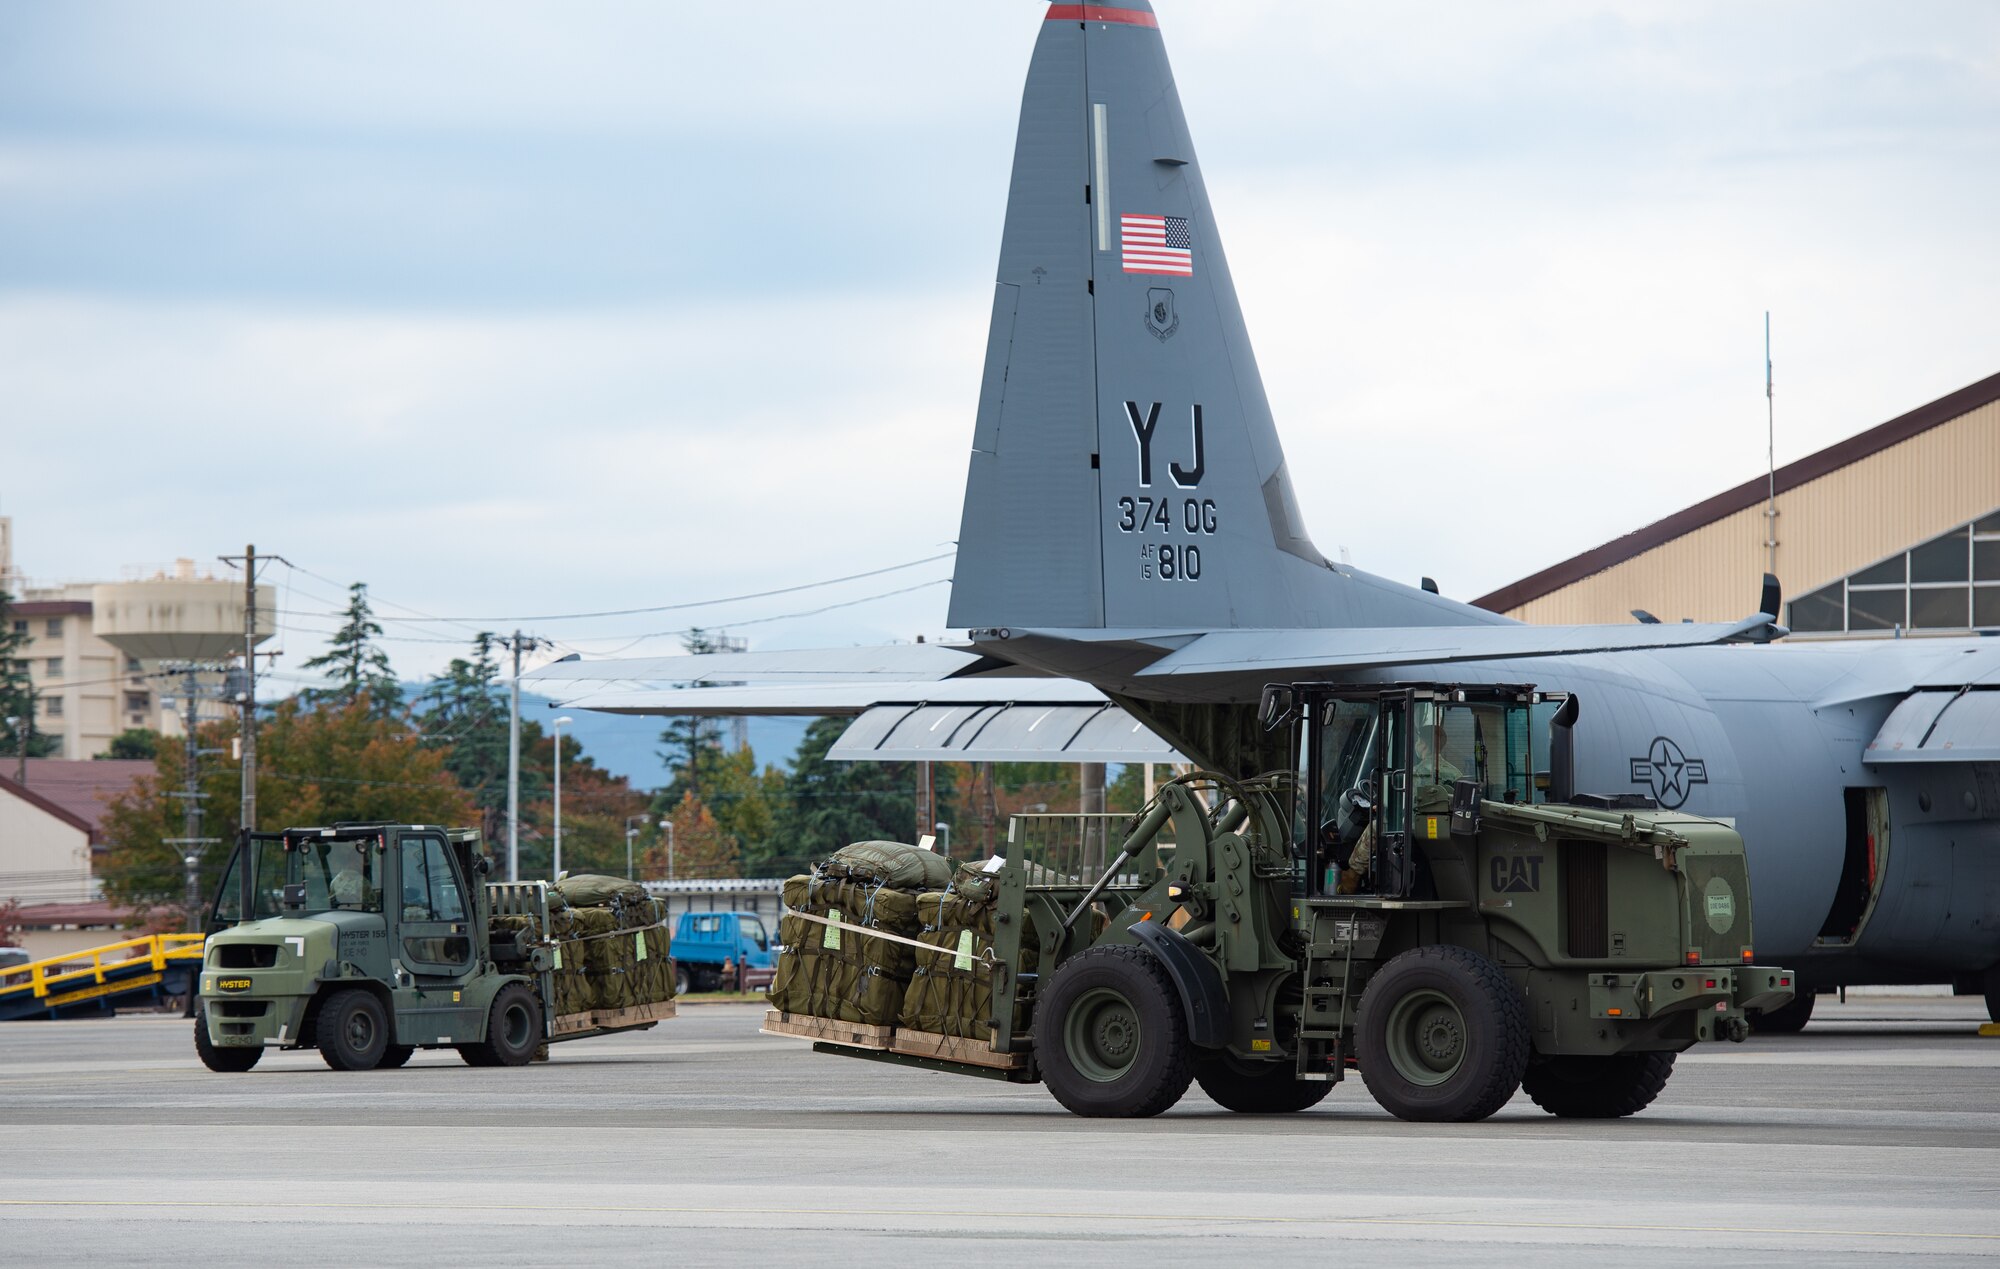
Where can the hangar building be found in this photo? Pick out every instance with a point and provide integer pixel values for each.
(1893, 531)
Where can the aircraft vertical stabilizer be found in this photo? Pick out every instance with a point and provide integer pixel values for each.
(1125, 472)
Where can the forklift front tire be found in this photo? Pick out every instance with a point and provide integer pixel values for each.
(513, 1030)
(229, 1061)
(353, 1030)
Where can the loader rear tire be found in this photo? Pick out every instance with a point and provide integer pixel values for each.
(1610, 1087)
(1111, 1037)
(1256, 1088)
(1444, 1036)
(513, 1030)
(395, 1055)
(1785, 1019)
(215, 1057)
(353, 1030)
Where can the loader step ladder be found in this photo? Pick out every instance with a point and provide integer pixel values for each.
(99, 980)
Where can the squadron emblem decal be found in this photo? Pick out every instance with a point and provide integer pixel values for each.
(1668, 772)
(1161, 319)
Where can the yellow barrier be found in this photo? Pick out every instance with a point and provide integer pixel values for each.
(154, 950)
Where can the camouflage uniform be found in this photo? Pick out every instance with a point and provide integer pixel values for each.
(1431, 796)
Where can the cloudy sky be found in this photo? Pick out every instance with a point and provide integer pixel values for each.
(513, 310)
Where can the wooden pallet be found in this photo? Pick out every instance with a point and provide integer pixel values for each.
(855, 1035)
(953, 1048)
(570, 1024)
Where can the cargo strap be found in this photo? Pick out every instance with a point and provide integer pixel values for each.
(985, 957)
(609, 934)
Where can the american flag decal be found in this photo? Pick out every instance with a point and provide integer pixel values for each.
(1156, 244)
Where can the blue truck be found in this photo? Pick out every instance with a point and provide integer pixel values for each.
(722, 951)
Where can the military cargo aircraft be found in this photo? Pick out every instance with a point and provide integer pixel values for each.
(1130, 532)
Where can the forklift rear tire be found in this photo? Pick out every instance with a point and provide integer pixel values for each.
(1993, 993)
(1111, 1037)
(217, 1058)
(513, 1030)
(1575, 1086)
(1785, 1019)
(1444, 1036)
(353, 1030)
(1256, 1088)
(395, 1055)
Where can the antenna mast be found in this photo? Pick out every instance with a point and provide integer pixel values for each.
(1771, 461)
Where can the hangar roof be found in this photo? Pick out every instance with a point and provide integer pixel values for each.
(1748, 494)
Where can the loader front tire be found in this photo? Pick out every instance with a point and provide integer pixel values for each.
(1111, 1036)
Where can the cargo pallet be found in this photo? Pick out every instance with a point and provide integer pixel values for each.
(862, 1039)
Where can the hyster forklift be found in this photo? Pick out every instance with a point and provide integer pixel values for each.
(1423, 899)
(370, 941)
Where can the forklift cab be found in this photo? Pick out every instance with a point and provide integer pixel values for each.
(1382, 767)
(410, 882)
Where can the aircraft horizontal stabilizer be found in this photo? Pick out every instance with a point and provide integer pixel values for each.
(1280, 652)
(907, 661)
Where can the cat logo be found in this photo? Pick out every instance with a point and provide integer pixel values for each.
(232, 984)
(1516, 874)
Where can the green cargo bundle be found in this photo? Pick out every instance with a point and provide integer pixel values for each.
(951, 989)
(898, 865)
(612, 941)
(827, 972)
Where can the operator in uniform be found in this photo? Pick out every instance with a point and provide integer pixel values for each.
(1436, 775)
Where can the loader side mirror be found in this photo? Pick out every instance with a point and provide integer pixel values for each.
(1276, 706)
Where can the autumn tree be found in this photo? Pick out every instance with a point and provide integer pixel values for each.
(314, 766)
(700, 847)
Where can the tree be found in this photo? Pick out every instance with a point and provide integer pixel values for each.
(829, 804)
(17, 692)
(595, 807)
(693, 745)
(133, 742)
(314, 766)
(355, 663)
(464, 717)
(700, 847)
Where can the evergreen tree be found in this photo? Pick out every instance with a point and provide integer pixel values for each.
(465, 715)
(355, 663)
(830, 804)
(134, 742)
(17, 691)
(693, 750)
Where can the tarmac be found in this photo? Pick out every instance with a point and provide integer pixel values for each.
(1874, 1134)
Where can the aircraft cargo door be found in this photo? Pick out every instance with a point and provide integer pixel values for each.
(1863, 865)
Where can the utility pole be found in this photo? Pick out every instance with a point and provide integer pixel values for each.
(514, 764)
(519, 643)
(248, 727)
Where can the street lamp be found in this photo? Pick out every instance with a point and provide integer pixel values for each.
(668, 824)
(631, 833)
(944, 838)
(557, 729)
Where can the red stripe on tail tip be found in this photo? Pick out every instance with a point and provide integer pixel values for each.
(1100, 13)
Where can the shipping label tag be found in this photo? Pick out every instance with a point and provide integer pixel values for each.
(558, 963)
(832, 937)
(642, 945)
(964, 958)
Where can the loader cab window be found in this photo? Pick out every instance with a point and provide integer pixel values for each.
(1339, 756)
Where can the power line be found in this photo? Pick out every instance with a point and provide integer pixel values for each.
(698, 603)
